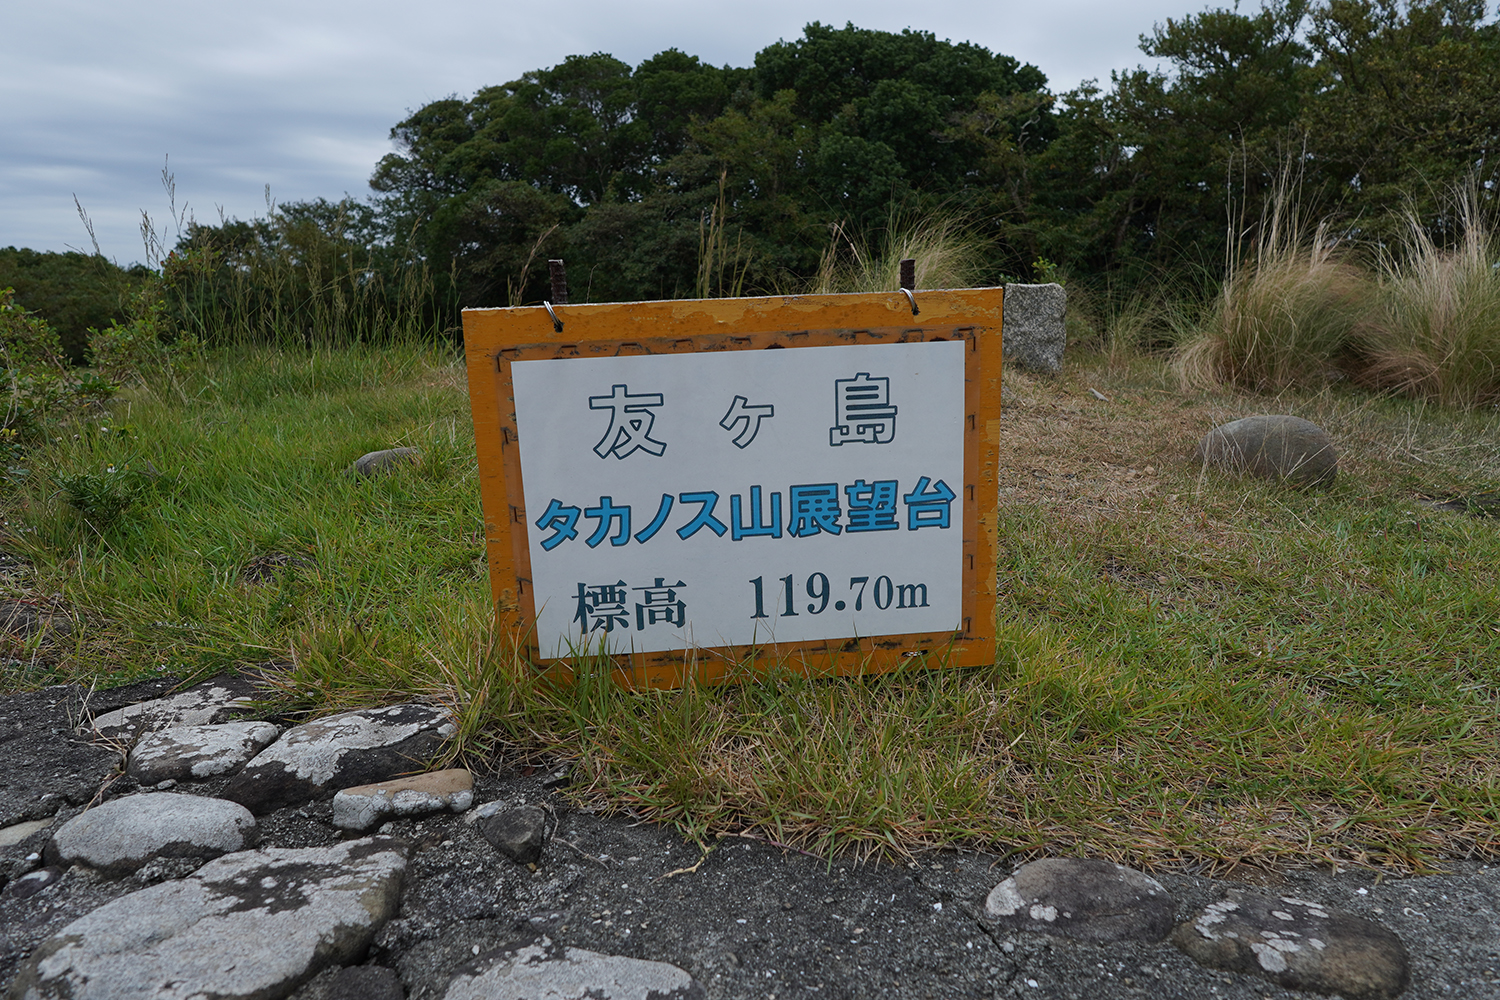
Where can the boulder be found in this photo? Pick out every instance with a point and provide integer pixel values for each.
(211, 702)
(365, 806)
(1032, 332)
(123, 834)
(537, 969)
(1297, 944)
(1088, 900)
(197, 752)
(315, 760)
(250, 925)
(1271, 447)
(387, 460)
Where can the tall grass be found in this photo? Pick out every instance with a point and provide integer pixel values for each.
(1301, 310)
(1287, 313)
(300, 282)
(1439, 332)
(947, 255)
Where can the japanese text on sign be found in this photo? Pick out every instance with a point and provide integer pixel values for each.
(732, 498)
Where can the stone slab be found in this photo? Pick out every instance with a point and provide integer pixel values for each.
(1081, 898)
(315, 760)
(123, 834)
(187, 753)
(211, 702)
(366, 806)
(1299, 944)
(254, 924)
(540, 969)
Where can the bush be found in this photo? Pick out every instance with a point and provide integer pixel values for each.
(39, 382)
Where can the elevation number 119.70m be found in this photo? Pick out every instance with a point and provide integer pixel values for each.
(882, 594)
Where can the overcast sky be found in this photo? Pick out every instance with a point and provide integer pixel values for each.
(302, 95)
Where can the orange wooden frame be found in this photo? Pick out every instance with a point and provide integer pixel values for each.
(493, 338)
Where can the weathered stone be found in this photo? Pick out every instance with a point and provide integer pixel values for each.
(253, 924)
(1033, 333)
(13, 835)
(1298, 944)
(519, 834)
(538, 969)
(123, 834)
(1084, 899)
(315, 760)
(385, 461)
(31, 883)
(189, 752)
(364, 806)
(203, 704)
(1272, 447)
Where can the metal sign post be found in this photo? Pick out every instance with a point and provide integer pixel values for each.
(695, 487)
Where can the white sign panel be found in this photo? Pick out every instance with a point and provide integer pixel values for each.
(743, 497)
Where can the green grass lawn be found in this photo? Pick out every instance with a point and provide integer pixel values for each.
(1194, 671)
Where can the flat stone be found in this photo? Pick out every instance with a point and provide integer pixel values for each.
(1276, 446)
(519, 834)
(248, 925)
(538, 969)
(386, 460)
(123, 834)
(364, 806)
(1033, 333)
(203, 704)
(1298, 944)
(197, 752)
(315, 760)
(13, 835)
(1088, 900)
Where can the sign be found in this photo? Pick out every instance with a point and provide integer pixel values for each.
(689, 486)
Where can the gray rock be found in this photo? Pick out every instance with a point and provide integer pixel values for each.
(385, 461)
(123, 834)
(248, 925)
(31, 883)
(1298, 944)
(1272, 447)
(538, 969)
(365, 806)
(197, 752)
(1032, 332)
(203, 704)
(1089, 900)
(519, 834)
(13, 835)
(315, 760)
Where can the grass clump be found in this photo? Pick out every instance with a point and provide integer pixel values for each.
(947, 255)
(1439, 335)
(1284, 318)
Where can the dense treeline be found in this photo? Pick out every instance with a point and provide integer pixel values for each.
(678, 178)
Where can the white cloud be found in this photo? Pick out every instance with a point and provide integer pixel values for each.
(302, 95)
